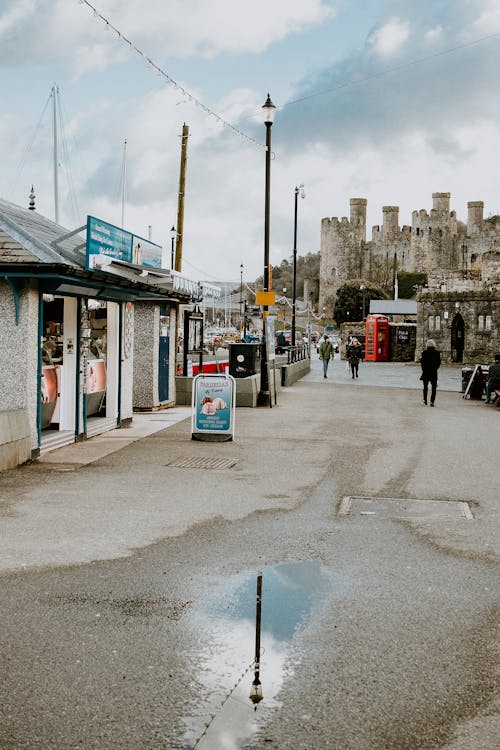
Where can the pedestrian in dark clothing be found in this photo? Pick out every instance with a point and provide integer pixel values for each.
(430, 362)
(354, 354)
(325, 354)
(493, 382)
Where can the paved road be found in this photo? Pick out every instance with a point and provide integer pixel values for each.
(128, 592)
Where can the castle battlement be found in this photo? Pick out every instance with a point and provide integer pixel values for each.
(434, 240)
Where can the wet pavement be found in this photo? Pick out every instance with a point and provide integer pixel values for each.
(129, 585)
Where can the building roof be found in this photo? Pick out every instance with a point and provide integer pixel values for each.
(393, 307)
(33, 246)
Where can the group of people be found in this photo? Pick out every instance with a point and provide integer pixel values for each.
(354, 353)
(430, 362)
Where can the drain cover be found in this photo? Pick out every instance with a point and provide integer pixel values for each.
(202, 462)
(411, 508)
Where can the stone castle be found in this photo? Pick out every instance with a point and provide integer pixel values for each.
(437, 243)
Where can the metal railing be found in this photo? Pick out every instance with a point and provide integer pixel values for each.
(297, 353)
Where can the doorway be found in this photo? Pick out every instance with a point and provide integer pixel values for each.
(457, 338)
(164, 354)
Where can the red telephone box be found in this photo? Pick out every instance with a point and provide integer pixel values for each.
(377, 338)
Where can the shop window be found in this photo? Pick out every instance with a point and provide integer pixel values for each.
(437, 323)
(431, 323)
(480, 323)
(487, 322)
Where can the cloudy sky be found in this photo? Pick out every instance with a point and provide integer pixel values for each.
(390, 100)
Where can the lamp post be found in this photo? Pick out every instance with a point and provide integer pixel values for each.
(173, 235)
(241, 298)
(362, 288)
(284, 308)
(299, 190)
(263, 397)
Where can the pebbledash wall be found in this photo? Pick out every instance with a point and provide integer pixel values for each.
(462, 261)
(19, 382)
(18, 375)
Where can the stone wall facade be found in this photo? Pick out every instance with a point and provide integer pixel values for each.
(441, 315)
(459, 307)
(436, 242)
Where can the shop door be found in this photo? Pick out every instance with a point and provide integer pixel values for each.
(457, 338)
(164, 354)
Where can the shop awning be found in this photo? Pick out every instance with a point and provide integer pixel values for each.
(71, 281)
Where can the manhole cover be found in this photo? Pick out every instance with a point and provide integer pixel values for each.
(201, 462)
(411, 508)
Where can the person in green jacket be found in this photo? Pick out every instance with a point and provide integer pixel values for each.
(326, 354)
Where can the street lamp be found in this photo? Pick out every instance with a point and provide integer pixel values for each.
(263, 397)
(241, 297)
(299, 190)
(362, 288)
(173, 235)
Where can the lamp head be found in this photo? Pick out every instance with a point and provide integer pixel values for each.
(300, 190)
(173, 233)
(269, 110)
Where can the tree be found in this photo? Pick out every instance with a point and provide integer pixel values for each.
(349, 302)
(408, 283)
(307, 268)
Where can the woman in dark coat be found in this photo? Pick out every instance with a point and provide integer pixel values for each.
(430, 361)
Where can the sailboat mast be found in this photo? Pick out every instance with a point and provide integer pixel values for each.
(56, 181)
(124, 177)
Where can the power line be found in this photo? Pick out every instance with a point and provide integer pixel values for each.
(385, 72)
(169, 78)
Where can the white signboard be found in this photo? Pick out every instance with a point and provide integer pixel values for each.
(213, 407)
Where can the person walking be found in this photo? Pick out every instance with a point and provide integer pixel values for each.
(354, 353)
(430, 362)
(493, 382)
(326, 354)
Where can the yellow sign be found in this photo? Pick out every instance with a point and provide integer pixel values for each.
(265, 299)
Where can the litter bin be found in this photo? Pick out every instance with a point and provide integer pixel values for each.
(244, 359)
(466, 376)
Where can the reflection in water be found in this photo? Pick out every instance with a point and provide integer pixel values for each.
(256, 694)
(226, 668)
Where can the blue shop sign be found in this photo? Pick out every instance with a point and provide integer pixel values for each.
(116, 243)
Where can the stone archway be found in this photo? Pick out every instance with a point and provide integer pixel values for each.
(457, 338)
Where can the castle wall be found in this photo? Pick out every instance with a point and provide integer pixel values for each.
(462, 262)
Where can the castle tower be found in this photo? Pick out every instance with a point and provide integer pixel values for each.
(390, 226)
(341, 251)
(474, 217)
(441, 202)
(358, 216)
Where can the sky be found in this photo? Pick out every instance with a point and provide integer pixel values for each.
(389, 100)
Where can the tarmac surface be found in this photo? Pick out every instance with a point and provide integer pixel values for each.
(46, 525)
(125, 579)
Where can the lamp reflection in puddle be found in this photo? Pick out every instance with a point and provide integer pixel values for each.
(256, 689)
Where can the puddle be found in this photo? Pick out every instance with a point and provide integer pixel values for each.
(226, 718)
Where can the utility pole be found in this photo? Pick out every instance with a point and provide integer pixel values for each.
(180, 204)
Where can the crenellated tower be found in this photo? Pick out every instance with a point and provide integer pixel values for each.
(342, 251)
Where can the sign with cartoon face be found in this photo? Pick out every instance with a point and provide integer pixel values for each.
(213, 405)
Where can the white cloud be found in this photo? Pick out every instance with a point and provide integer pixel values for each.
(17, 12)
(161, 30)
(389, 38)
(433, 34)
(488, 21)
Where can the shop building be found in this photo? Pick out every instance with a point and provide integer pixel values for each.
(67, 334)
